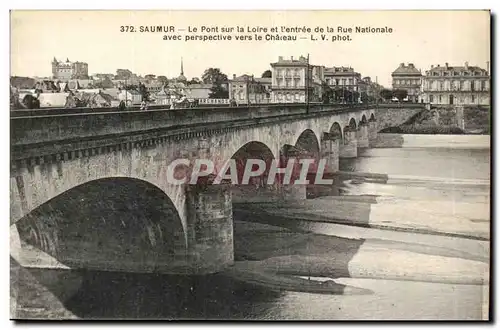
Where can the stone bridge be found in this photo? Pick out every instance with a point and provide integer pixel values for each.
(91, 189)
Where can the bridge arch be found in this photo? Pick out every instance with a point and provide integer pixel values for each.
(363, 119)
(122, 224)
(352, 125)
(308, 141)
(336, 130)
(253, 150)
(372, 117)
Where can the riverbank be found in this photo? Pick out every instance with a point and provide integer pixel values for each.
(424, 129)
(476, 121)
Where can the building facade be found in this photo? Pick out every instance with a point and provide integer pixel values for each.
(342, 78)
(464, 85)
(370, 88)
(247, 89)
(65, 71)
(408, 78)
(291, 80)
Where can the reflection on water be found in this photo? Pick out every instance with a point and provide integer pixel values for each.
(449, 181)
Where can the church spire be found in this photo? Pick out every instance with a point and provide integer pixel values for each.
(182, 68)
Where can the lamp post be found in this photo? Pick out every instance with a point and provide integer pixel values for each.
(307, 84)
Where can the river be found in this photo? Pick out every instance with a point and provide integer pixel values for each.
(438, 183)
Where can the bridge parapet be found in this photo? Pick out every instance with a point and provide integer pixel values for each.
(62, 132)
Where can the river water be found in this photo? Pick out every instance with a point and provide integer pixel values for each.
(441, 182)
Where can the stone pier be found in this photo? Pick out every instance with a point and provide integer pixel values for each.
(372, 132)
(330, 145)
(349, 147)
(362, 135)
(209, 227)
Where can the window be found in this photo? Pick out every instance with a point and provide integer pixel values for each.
(441, 87)
(461, 86)
(439, 98)
(472, 85)
(473, 99)
(483, 85)
(431, 98)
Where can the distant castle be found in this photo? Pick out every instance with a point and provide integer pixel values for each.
(65, 71)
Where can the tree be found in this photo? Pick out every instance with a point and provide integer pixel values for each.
(31, 102)
(214, 76)
(105, 83)
(400, 94)
(386, 94)
(218, 92)
(194, 81)
(364, 97)
(354, 97)
(163, 80)
(327, 95)
(267, 74)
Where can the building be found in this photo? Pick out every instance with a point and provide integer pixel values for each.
(130, 97)
(342, 78)
(466, 85)
(65, 71)
(291, 80)
(198, 91)
(154, 86)
(409, 78)
(370, 88)
(74, 84)
(47, 86)
(247, 89)
(124, 74)
(102, 76)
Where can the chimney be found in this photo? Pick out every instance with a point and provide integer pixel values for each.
(291, 57)
(234, 76)
(487, 67)
(432, 66)
(401, 65)
(446, 64)
(411, 66)
(439, 65)
(280, 59)
(466, 65)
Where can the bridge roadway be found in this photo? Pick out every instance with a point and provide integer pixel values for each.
(90, 188)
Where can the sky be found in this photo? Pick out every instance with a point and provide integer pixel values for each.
(424, 38)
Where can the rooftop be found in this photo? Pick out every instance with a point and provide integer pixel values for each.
(466, 67)
(409, 69)
(301, 61)
(340, 71)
